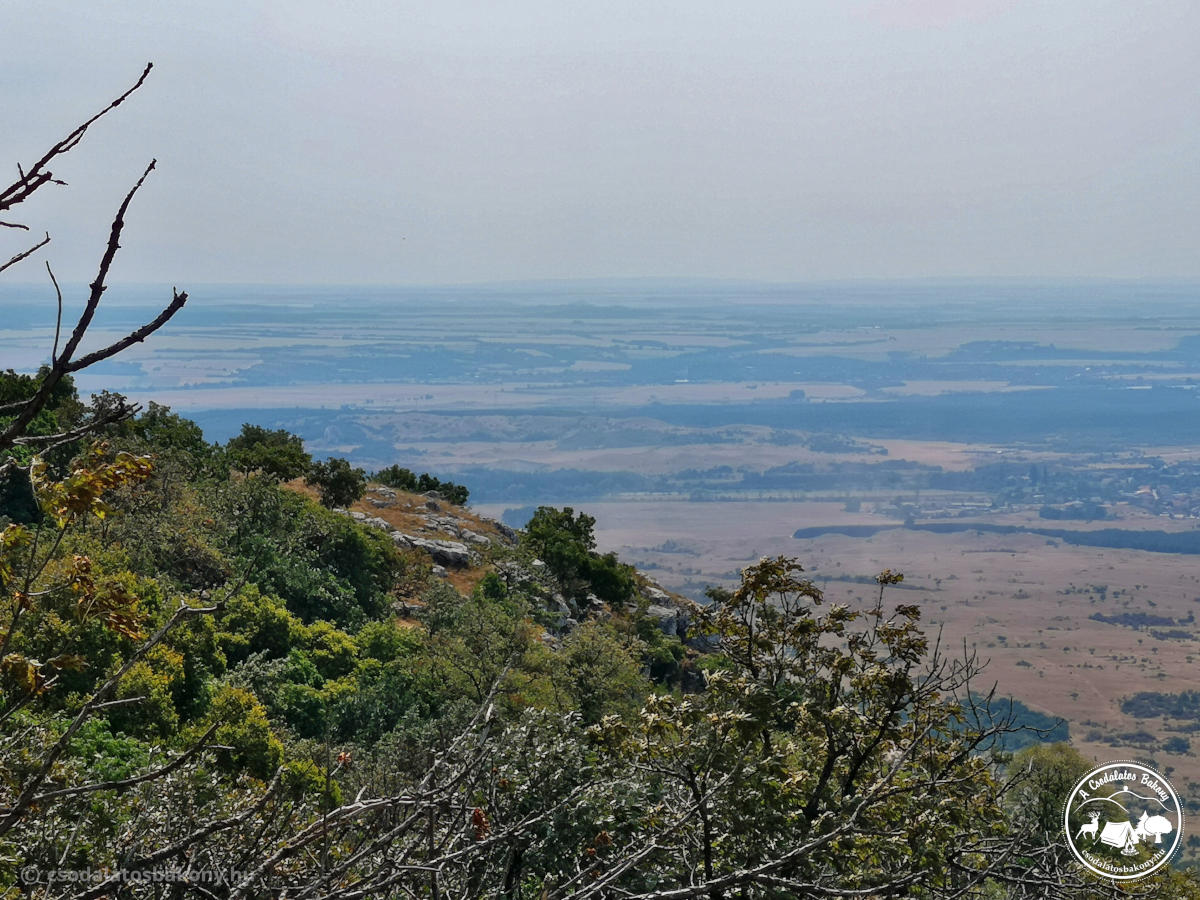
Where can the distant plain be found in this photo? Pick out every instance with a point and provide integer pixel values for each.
(702, 424)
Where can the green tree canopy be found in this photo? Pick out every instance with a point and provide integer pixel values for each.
(338, 483)
(277, 454)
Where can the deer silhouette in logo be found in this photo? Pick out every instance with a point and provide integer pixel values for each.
(1090, 828)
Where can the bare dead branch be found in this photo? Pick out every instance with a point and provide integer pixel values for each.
(58, 318)
(185, 844)
(27, 253)
(48, 441)
(136, 337)
(116, 704)
(65, 364)
(125, 784)
(38, 174)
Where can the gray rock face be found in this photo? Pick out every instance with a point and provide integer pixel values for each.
(452, 554)
(559, 603)
(672, 620)
(664, 616)
(558, 616)
(442, 523)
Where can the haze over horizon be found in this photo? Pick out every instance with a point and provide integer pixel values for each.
(401, 143)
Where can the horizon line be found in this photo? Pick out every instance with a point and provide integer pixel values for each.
(602, 280)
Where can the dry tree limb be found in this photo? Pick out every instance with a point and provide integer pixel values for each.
(31, 179)
(38, 175)
(25, 253)
(121, 785)
(58, 317)
(64, 364)
(177, 301)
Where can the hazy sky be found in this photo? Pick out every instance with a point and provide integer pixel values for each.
(446, 141)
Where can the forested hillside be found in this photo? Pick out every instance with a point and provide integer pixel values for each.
(208, 672)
